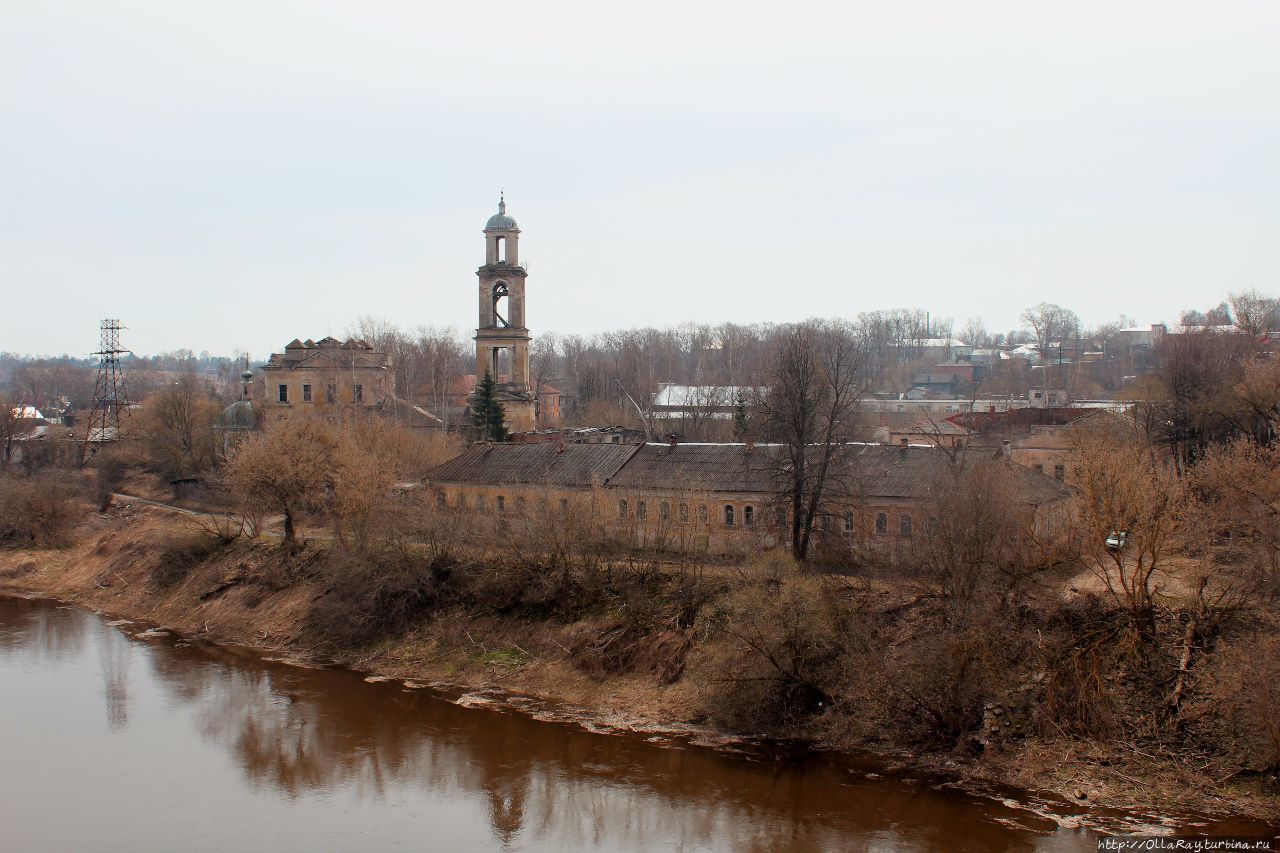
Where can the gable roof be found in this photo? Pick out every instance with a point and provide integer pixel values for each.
(543, 463)
(929, 428)
(702, 467)
(867, 470)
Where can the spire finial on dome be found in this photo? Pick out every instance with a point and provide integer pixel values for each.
(502, 201)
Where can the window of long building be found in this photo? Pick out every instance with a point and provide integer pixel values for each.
(882, 523)
(622, 510)
(664, 511)
(904, 525)
(306, 393)
(749, 516)
(642, 510)
(728, 515)
(282, 393)
(684, 512)
(702, 514)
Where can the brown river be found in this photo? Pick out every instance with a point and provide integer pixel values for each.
(113, 738)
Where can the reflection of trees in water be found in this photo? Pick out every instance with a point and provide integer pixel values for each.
(114, 651)
(546, 785)
(300, 731)
(42, 630)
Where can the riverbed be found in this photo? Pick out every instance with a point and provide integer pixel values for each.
(119, 737)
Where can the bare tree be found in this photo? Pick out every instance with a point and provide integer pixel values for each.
(1129, 508)
(1198, 371)
(974, 333)
(544, 360)
(289, 469)
(809, 408)
(1237, 517)
(1050, 323)
(980, 542)
(1255, 313)
(176, 428)
(13, 425)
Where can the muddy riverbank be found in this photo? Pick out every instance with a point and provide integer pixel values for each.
(242, 595)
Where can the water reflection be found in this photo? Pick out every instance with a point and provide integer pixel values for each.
(114, 652)
(42, 633)
(298, 736)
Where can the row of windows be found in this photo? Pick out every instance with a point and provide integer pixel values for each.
(330, 393)
(499, 502)
(682, 513)
(729, 516)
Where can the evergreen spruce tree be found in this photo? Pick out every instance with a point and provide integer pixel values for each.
(488, 418)
(740, 420)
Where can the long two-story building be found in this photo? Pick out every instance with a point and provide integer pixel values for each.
(716, 497)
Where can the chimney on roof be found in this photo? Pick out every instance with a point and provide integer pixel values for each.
(902, 448)
(1006, 449)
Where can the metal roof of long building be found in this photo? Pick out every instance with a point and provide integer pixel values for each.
(540, 463)
(869, 470)
(700, 467)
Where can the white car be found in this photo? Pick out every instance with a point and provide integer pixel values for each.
(1117, 539)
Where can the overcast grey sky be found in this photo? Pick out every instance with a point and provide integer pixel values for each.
(233, 174)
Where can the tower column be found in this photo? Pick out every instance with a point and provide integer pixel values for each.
(501, 316)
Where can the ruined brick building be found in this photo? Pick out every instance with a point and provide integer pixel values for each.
(328, 375)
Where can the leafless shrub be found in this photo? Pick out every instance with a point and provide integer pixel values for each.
(108, 472)
(782, 656)
(1086, 650)
(1241, 697)
(375, 596)
(38, 510)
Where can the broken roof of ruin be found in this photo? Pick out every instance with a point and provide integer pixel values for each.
(327, 353)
